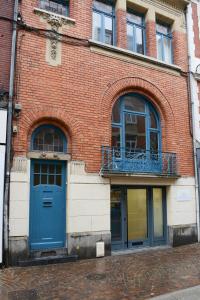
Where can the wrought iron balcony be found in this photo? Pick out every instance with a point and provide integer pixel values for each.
(121, 160)
(56, 6)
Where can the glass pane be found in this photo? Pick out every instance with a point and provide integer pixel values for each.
(139, 40)
(135, 132)
(96, 27)
(44, 169)
(159, 47)
(44, 179)
(36, 179)
(137, 214)
(167, 50)
(51, 179)
(154, 141)
(58, 169)
(59, 180)
(162, 28)
(48, 139)
(116, 137)
(134, 18)
(116, 113)
(103, 7)
(153, 120)
(37, 168)
(51, 169)
(116, 233)
(158, 213)
(134, 104)
(108, 30)
(130, 37)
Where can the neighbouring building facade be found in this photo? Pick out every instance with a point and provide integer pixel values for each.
(103, 149)
(6, 29)
(193, 21)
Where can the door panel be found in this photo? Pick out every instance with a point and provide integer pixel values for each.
(47, 205)
(118, 231)
(137, 215)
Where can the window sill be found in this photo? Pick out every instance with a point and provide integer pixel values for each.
(137, 56)
(49, 16)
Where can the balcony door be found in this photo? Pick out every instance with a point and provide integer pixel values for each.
(138, 217)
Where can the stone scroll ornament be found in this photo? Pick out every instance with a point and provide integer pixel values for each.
(55, 21)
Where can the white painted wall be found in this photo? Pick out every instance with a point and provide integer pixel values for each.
(194, 63)
(2, 170)
(88, 203)
(19, 198)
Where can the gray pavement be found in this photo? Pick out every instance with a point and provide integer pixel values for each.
(186, 294)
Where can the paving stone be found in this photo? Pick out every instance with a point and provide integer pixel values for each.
(141, 275)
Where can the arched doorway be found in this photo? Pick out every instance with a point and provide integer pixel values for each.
(48, 190)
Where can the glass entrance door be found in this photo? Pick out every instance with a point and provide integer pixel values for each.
(138, 217)
(137, 212)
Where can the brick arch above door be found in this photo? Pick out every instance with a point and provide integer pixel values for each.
(31, 119)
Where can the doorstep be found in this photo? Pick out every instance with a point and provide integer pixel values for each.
(47, 256)
(136, 250)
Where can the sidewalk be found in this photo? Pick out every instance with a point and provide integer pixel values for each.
(141, 276)
(187, 294)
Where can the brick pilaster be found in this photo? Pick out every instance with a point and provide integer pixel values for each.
(121, 31)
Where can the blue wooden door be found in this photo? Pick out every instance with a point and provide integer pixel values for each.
(47, 204)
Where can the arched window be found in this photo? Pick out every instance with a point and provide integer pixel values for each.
(136, 131)
(47, 138)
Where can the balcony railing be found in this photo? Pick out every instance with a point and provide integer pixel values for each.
(60, 7)
(121, 160)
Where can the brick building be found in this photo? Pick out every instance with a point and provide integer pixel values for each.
(193, 21)
(103, 155)
(6, 30)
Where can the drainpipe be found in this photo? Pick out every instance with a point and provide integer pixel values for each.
(9, 136)
(192, 102)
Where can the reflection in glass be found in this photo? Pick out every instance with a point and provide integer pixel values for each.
(158, 212)
(108, 30)
(135, 132)
(116, 112)
(153, 120)
(159, 47)
(130, 37)
(116, 233)
(167, 50)
(137, 214)
(139, 40)
(133, 103)
(154, 141)
(96, 27)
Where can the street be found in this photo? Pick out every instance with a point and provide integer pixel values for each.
(141, 275)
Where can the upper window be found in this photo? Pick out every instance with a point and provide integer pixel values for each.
(103, 22)
(60, 7)
(164, 43)
(135, 125)
(135, 33)
(47, 138)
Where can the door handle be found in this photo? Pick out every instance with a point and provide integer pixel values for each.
(47, 204)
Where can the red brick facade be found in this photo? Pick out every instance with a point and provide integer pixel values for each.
(6, 11)
(79, 94)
